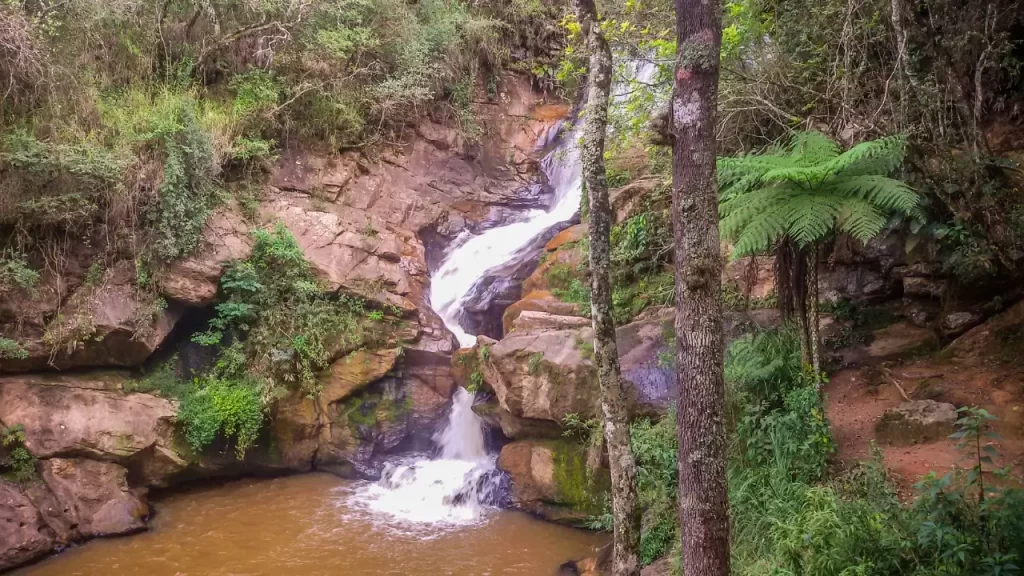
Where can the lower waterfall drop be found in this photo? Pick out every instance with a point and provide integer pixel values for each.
(458, 487)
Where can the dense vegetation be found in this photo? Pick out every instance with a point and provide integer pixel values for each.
(792, 514)
(274, 331)
(125, 123)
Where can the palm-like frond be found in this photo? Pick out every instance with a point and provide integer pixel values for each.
(809, 189)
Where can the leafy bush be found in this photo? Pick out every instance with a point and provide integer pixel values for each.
(15, 273)
(276, 324)
(654, 447)
(217, 406)
(777, 409)
(16, 463)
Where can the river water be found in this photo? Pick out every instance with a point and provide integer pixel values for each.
(314, 525)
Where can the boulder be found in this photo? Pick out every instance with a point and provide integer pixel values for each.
(916, 422)
(356, 370)
(94, 496)
(1004, 332)
(550, 478)
(544, 375)
(569, 235)
(956, 323)
(628, 200)
(538, 301)
(514, 427)
(86, 415)
(23, 534)
(193, 280)
(534, 321)
(566, 258)
(924, 286)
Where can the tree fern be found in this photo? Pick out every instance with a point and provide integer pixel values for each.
(809, 189)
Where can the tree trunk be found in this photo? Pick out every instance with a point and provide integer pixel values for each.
(798, 281)
(812, 307)
(625, 557)
(784, 280)
(703, 499)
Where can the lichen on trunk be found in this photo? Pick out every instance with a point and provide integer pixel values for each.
(625, 558)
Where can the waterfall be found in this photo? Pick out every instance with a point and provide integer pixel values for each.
(457, 488)
(463, 482)
(473, 257)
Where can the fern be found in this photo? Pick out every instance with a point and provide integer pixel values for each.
(810, 189)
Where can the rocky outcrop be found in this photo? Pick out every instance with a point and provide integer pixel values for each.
(543, 375)
(94, 497)
(916, 422)
(537, 301)
(193, 281)
(551, 478)
(73, 499)
(23, 534)
(89, 416)
(106, 322)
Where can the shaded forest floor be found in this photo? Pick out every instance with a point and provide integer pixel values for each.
(982, 368)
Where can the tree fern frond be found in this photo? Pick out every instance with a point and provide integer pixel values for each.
(880, 191)
(861, 220)
(809, 189)
(738, 212)
(890, 147)
(812, 217)
(812, 148)
(762, 232)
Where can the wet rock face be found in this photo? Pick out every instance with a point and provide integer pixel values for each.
(916, 422)
(550, 478)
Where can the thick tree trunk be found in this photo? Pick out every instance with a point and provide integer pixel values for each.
(625, 557)
(812, 307)
(703, 498)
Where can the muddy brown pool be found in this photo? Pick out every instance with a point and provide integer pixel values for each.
(311, 525)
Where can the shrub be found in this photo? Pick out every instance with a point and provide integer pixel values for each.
(18, 464)
(217, 406)
(276, 324)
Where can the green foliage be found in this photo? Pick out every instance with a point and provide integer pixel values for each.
(188, 191)
(533, 366)
(654, 447)
(777, 408)
(789, 517)
(17, 464)
(283, 327)
(11, 349)
(15, 273)
(808, 190)
(232, 408)
(161, 380)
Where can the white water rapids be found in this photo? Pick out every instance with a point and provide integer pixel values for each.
(463, 483)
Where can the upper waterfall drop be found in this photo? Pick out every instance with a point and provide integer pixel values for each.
(473, 257)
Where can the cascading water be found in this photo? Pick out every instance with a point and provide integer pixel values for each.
(461, 484)
(456, 488)
(474, 256)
